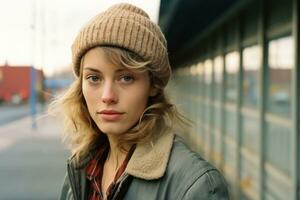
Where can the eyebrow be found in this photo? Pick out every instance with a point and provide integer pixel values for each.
(91, 69)
(98, 71)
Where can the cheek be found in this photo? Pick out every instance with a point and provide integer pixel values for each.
(139, 99)
(85, 93)
(88, 95)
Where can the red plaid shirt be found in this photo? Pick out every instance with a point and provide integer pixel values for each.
(94, 173)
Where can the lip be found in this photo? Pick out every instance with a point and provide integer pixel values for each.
(110, 115)
(109, 112)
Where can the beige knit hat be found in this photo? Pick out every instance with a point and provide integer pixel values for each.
(129, 27)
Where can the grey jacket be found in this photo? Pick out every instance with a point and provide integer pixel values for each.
(163, 170)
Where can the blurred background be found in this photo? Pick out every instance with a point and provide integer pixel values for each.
(235, 74)
(35, 58)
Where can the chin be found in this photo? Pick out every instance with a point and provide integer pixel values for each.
(112, 130)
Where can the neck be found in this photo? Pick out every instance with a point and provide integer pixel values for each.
(116, 155)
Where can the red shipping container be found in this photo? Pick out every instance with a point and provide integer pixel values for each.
(15, 82)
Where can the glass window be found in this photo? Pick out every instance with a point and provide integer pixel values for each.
(193, 81)
(250, 133)
(218, 118)
(249, 178)
(251, 64)
(230, 159)
(279, 136)
(218, 77)
(280, 76)
(199, 70)
(232, 68)
(208, 76)
(208, 90)
(231, 124)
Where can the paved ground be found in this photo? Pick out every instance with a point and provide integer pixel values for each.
(10, 113)
(32, 162)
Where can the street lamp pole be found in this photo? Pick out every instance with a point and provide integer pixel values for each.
(33, 73)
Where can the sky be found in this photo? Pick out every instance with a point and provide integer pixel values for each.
(41, 32)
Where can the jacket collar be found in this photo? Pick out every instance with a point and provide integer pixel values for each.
(149, 161)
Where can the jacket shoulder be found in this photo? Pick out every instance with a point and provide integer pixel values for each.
(182, 157)
(193, 176)
(211, 185)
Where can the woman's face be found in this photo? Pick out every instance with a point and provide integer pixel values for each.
(115, 96)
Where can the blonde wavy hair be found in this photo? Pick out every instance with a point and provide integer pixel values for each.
(81, 133)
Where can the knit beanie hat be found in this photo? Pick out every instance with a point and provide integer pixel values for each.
(128, 27)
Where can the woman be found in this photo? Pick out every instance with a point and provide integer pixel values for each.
(119, 123)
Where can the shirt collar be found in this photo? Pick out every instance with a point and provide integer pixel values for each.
(95, 165)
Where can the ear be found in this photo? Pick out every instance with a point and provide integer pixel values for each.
(153, 91)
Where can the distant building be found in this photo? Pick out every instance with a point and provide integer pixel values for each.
(15, 83)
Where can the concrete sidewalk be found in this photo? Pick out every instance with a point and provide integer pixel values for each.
(32, 162)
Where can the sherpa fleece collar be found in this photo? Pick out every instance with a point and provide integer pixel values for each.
(149, 161)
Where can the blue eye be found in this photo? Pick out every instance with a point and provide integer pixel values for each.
(93, 78)
(127, 78)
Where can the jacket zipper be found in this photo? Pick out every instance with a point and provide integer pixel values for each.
(119, 184)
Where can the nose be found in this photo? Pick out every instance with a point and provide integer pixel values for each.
(109, 95)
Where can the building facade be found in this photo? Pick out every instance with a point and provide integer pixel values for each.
(237, 77)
